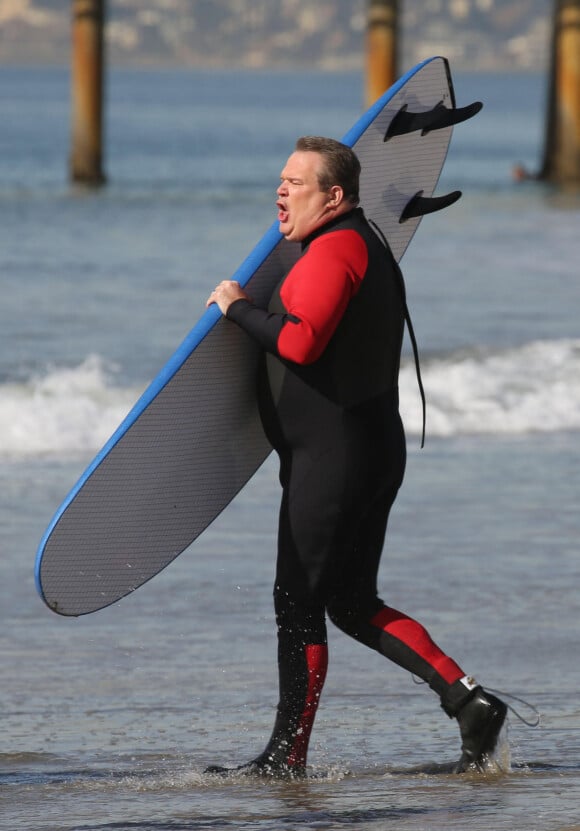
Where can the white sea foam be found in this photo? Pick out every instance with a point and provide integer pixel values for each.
(65, 411)
(532, 388)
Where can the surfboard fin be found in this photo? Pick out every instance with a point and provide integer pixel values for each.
(435, 119)
(420, 205)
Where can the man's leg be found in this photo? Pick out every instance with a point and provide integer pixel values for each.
(302, 665)
(302, 647)
(356, 609)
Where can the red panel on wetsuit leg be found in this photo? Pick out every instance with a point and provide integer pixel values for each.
(317, 664)
(416, 637)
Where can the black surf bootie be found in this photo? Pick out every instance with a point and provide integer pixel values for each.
(265, 765)
(480, 721)
(276, 761)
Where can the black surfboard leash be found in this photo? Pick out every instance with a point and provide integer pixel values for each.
(401, 285)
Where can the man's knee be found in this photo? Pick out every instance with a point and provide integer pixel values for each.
(344, 615)
(351, 613)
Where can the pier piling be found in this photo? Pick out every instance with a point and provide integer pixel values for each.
(561, 163)
(381, 47)
(87, 67)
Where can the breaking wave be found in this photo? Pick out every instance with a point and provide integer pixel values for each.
(527, 389)
(530, 388)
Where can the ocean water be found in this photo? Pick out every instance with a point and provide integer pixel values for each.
(108, 721)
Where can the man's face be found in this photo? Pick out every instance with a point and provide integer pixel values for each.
(302, 206)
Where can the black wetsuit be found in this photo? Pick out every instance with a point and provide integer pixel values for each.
(332, 340)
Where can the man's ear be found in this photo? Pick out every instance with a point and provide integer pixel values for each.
(335, 196)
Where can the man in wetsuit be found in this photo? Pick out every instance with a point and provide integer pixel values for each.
(328, 393)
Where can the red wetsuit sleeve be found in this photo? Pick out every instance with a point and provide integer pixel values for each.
(315, 295)
(317, 291)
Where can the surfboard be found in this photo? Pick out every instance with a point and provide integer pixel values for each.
(194, 437)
